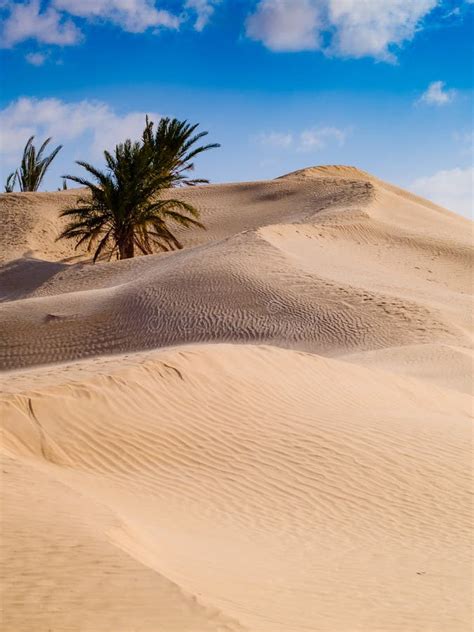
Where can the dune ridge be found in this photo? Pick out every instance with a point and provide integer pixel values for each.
(268, 431)
(279, 270)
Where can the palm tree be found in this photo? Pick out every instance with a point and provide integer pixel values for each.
(10, 183)
(173, 151)
(123, 211)
(34, 165)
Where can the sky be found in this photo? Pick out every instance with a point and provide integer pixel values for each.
(384, 85)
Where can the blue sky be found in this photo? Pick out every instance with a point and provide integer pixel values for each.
(385, 85)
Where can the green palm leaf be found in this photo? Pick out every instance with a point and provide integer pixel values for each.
(33, 165)
(124, 211)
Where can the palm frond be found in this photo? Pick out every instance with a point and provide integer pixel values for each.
(10, 182)
(33, 166)
(125, 209)
(172, 145)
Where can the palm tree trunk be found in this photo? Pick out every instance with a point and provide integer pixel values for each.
(127, 247)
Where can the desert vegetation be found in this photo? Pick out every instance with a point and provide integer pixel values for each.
(33, 167)
(123, 211)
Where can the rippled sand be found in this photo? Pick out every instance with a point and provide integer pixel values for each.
(267, 431)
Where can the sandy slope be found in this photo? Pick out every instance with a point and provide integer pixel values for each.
(306, 261)
(313, 477)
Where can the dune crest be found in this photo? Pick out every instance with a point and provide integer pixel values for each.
(267, 431)
(302, 262)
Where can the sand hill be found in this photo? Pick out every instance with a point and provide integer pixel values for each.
(266, 431)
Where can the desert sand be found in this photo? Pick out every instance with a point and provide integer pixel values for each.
(268, 431)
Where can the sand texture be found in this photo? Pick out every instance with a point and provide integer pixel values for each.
(268, 431)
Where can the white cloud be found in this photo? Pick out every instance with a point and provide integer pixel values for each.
(93, 125)
(204, 10)
(134, 16)
(50, 22)
(286, 25)
(314, 138)
(451, 188)
(25, 21)
(372, 27)
(348, 28)
(318, 138)
(36, 59)
(353, 28)
(437, 94)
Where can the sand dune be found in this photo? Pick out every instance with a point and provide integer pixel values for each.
(267, 431)
(305, 262)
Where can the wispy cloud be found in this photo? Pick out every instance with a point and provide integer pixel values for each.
(437, 94)
(320, 137)
(465, 140)
(36, 59)
(58, 21)
(203, 9)
(451, 188)
(311, 139)
(275, 139)
(134, 16)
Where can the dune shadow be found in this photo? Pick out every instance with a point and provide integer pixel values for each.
(20, 277)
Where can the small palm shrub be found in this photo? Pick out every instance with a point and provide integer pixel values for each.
(34, 165)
